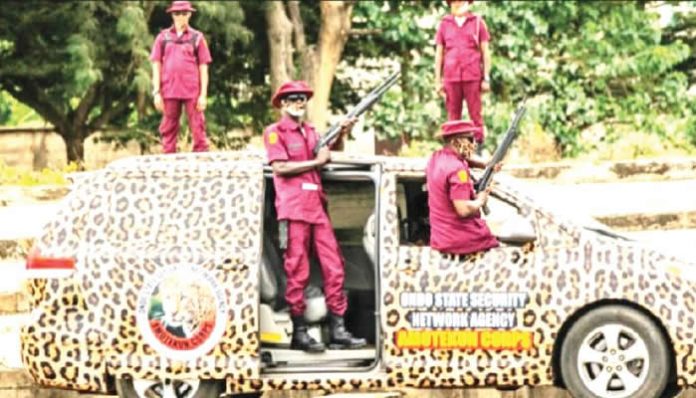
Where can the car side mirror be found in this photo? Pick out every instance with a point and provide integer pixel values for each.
(516, 230)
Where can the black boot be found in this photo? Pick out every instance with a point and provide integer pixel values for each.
(340, 337)
(301, 340)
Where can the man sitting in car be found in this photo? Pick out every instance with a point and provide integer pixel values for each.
(456, 225)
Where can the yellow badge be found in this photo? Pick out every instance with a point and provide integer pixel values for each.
(273, 138)
(463, 175)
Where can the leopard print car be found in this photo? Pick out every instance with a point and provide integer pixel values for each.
(501, 318)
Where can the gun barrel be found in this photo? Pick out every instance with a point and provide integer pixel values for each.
(502, 149)
(366, 103)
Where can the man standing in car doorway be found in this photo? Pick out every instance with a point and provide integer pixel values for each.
(456, 225)
(301, 203)
(462, 62)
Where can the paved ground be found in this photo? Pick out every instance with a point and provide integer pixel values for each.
(616, 198)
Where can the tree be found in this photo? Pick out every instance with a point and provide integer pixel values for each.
(577, 63)
(317, 62)
(83, 65)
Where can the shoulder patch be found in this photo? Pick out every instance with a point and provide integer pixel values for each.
(272, 137)
(463, 175)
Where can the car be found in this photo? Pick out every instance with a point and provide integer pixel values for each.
(162, 276)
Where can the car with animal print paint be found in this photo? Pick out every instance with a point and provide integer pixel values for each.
(162, 276)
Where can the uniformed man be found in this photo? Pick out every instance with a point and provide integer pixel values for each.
(456, 225)
(301, 203)
(462, 61)
(180, 59)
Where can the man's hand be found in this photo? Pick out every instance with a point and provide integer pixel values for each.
(498, 167)
(485, 86)
(440, 88)
(201, 103)
(483, 196)
(323, 156)
(159, 103)
(347, 126)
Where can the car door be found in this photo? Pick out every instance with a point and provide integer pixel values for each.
(448, 319)
(170, 278)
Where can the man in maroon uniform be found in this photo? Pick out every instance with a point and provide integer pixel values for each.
(462, 61)
(180, 59)
(301, 202)
(456, 225)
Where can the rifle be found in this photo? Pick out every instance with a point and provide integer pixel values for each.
(501, 151)
(366, 103)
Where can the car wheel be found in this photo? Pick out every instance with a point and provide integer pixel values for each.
(138, 388)
(615, 352)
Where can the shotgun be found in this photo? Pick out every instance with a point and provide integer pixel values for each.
(502, 149)
(366, 103)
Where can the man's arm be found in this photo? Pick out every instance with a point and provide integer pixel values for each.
(202, 98)
(157, 96)
(468, 208)
(439, 55)
(486, 52)
(290, 168)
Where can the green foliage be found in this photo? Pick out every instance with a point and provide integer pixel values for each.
(83, 66)
(15, 113)
(16, 176)
(578, 63)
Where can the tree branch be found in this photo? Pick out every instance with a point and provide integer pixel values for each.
(28, 93)
(279, 32)
(297, 25)
(85, 105)
(108, 114)
(307, 55)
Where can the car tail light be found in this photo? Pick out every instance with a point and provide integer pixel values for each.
(39, 266)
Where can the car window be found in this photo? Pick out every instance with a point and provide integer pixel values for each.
(504, 218)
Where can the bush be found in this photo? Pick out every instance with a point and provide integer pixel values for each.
(15, 176)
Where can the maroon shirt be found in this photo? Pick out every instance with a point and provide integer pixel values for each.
(299, 197)
(179, 74)
(449, 179)
(462, 48)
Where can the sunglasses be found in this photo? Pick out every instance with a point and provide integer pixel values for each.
(180, 13)
(467, 137)
(296, 97)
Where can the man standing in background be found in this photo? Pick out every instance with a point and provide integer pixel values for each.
(180, 59)
(462, 61)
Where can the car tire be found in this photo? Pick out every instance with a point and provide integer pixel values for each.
(129, 388)
(615, 351)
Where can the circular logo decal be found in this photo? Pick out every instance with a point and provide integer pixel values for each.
(182, 311)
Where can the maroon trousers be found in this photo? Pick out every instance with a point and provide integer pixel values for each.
(322, 237)
(169, 127)
(469, 91)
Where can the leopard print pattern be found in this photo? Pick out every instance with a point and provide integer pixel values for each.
(83, 331)
(122, 224)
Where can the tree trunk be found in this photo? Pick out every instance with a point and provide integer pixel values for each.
(318, 65)
(279, 31)
(74, 144)
(333, 34)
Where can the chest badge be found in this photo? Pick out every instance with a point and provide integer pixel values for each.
(463, 175)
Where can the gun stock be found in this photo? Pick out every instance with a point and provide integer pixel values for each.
(366, 103)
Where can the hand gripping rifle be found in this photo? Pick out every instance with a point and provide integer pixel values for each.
(501, 151)
(366, 103)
